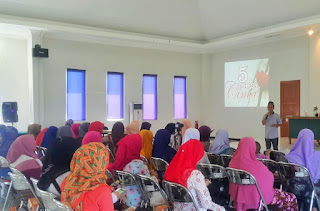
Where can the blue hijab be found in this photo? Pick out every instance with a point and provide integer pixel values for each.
(8, 136)
(49, 136)
(161, 148)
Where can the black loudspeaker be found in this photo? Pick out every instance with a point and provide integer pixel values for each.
(9, 111)
(40, 52)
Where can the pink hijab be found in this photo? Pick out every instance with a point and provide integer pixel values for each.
(25, 145)
(186, 125)
(92, 136)
(133, 127)
(75, 130)
(247, 197)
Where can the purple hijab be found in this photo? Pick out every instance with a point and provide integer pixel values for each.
(221, 142)
(303, 153)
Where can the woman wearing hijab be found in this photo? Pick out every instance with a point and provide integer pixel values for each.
(303, 154)
(58, 157)
(22, 156)
(34, 130)
(193, 134)
(133, 127)
(7, 136)
(161, 148)
(146, 151)
(75, 130)
(171, 127)
(49, 136)
(83, 129)
(145, 126)
(116, 135)
(182, 170)
(85, 188)
(69, 122)
(221, 144)
(92, 136)
(128, 149)
(96, 126)
(247, 196)
(205, 132)
(41, 136)
(186, 125)
(64, 131)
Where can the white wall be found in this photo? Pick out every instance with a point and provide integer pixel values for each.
(289, 60)
(97, 59)
(14, 81)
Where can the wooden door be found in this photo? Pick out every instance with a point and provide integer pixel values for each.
(289, 103)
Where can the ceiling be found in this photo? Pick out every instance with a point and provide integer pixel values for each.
(195, 20)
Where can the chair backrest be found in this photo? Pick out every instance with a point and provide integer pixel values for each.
(35, 186)
(42, 151)
(271, 165)
(212, 171)
(4, 162)
(148, 185)
(47, 200)
(225, 160)
(214, 158)
(19, 182)
(241, 177)
(60, 206)
(293, 174)
(159, 164)
(178, 193)
(278, 156)
(144, 159)
(110, 176)
(125, 178)
(111, 155)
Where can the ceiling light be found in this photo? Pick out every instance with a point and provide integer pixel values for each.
(310, 32)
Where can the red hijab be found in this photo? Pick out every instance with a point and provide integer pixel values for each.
(247, 197)
(184, 162)
(96, 126)
(75, 130)
(40, 137)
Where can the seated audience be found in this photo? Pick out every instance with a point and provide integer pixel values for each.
(91, 136)
(303, 154)
(132, 128)
(259, 154)
(69, 122)
(7, 136)
(193, 134)
(132, 197)
(221, 144)
(34, 130)
(171, 127)
(145, 126)
(247, 196)
(205, 132)
(182, 170)
(49, 136)
(75, 130)
(186, 125)
(96, 126)
(57, 167)
(129, 149)
(85, 188)
(146, 151)
(117, 134)
(161, 148)
(64, 131)
(41, 136)
(22, 156)
(83, 129)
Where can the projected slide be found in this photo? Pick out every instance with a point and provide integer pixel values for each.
(246, 83)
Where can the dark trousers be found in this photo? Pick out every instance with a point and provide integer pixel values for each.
(274, 142)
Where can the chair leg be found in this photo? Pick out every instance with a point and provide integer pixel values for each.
(311, 202)
(6, 200)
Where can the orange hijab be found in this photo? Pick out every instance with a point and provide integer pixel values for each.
(87, 172)
(147, 138)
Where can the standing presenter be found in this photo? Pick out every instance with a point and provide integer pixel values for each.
(271, 121)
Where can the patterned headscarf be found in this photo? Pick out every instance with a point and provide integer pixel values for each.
(88, 167)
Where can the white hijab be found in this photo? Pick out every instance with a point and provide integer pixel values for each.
(190, 134)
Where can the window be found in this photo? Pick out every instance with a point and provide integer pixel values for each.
(76, 94)
(114, 96)
(149, 89)
(180, 97)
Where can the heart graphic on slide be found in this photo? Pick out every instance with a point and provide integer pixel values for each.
(262, 79)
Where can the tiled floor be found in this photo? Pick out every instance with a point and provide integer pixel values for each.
(284, 145)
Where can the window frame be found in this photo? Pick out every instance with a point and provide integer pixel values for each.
(156, 104)
(185, 97)
(123, 96)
